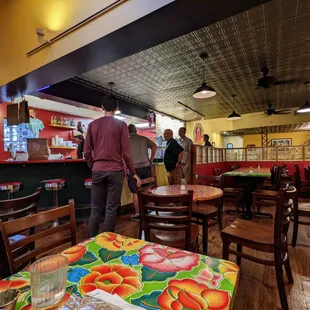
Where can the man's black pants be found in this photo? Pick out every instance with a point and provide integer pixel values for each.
(105, 194)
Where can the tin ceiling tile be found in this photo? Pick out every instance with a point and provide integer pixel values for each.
(275, 34)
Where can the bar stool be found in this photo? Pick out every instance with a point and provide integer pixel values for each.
(54, 186)
(88, 183)
(10, 188)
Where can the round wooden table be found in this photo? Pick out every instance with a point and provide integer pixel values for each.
(201, 192)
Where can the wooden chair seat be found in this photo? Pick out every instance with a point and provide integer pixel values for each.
(204, 209)
(174, 239)
(261, 232)
(232, 190)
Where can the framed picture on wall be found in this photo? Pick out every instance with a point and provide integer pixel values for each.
(281, 142)
(230, 146)
(198, 134)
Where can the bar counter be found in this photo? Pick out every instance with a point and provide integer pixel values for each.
(74, 171)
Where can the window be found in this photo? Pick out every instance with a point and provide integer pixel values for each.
(230, 146)
(16, 136)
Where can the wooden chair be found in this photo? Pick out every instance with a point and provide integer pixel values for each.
(14, 227)
(19, 207)
(301, 206)
(217, 171)
(233, 195)
(170, 225)
(146, 186)
(13, 209)
(208, 210)
(307, 173)
(263, 197)
(265, 236)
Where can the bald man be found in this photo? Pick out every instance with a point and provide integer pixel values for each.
(173, 158)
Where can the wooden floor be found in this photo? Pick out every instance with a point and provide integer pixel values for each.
(257, 288)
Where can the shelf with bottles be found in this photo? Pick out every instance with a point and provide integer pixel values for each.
(62, 122)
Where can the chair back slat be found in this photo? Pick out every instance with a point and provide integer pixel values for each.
(32, 221)
(148, 184)
(282, 218)
(19, 207)
(210, 180)
(178, 218)
(44, 233)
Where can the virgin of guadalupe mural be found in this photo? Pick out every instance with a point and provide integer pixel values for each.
(198, 134)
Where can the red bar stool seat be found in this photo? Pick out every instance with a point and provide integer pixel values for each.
(10, 188)
(88, 183)
(54, 186)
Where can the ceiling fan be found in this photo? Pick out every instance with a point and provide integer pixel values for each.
(268, 80)
(271, 111)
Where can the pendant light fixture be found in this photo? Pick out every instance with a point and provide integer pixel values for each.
(111, 85)
(233, 116)
(306, 107)
(204, 91)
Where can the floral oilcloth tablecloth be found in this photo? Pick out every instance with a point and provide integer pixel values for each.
(145, 274)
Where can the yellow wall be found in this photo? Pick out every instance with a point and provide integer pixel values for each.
(213, 126)
(298, 138)
(20, 18)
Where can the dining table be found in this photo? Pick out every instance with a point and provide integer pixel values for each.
(201, 192)
(210, 195)
(144, 274)
(249, 178)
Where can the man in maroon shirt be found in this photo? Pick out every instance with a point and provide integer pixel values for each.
(106, 145)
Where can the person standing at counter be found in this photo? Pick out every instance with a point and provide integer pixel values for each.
(173, 158)
(79, 138)
(206, 140)
(186, 144)
(106, 145)
(35, 125)
(140, 147)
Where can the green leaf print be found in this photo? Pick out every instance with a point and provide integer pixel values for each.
(149, 274)
(147, 301)
(88, 258)
(107, 255)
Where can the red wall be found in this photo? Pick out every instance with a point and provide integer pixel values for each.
(207, 169)
(48, 132)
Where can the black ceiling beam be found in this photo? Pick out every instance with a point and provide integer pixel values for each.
(171, 21)
(86, 95)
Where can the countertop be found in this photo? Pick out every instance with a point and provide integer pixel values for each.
(27, 162)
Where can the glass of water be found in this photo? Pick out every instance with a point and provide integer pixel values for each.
(48, 278)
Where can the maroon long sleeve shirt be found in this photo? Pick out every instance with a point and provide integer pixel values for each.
(106, 144)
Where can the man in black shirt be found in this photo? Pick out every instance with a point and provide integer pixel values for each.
(173, 158)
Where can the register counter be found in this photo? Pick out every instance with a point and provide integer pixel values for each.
(74, 171)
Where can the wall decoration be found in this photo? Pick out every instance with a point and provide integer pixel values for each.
(198, 134)
(230, 146)
(250, 146)
(281, 142)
